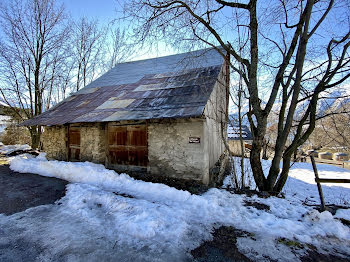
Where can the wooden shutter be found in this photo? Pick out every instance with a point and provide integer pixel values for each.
(127, 145)
(117, 145)
(137, 145)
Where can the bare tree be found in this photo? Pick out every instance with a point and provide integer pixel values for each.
(333, 131)
(88, 41)
(287, 43)
(117, 47)
(31, 50)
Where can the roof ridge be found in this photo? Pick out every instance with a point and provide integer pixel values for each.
(154, 58)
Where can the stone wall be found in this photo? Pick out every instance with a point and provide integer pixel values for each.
(171, 154)
(54, 144)
(93, 143)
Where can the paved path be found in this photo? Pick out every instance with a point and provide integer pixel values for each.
(19, 192)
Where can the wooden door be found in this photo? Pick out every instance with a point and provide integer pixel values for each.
(127, 145)
(137, 145)
(117, 145)
(74, 144)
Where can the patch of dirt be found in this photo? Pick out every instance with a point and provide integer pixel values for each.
(20, 191)
(314, 256)
(293, 244)
(250, 192)
(344, 221)
(123, 195)
(257, 205)
(222, 248)
(20, 152)
(332, 208)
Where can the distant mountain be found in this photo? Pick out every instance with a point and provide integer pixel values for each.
(332, 101)
(3, 103)
(233, 113)
(329, 102)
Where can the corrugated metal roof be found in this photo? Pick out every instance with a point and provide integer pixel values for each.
(234, 134)
(175, 86)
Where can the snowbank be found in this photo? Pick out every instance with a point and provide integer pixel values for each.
(98, 175)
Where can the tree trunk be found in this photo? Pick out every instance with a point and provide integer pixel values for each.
(284, 174)
(264, 156)
(255, 163)
(35, 133)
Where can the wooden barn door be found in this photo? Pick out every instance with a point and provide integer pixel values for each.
(73, 143)
(137, 145)
(127, 145)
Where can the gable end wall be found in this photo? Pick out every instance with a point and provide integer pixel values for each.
(171, 154)
(215, 119)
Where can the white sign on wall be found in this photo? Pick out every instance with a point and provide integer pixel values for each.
(194, 140)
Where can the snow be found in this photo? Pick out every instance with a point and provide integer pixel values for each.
(160, 223)
(4, 121)
(98, 175)
(301, 185)
(343, 213)
(11, 148)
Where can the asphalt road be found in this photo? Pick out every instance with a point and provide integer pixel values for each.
(19, 192)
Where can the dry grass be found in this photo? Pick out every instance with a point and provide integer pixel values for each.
(3, 161)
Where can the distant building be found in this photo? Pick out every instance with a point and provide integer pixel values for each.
(162, 116)
(5, 119)
(233, 136)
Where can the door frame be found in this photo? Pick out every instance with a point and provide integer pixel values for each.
(69, 127)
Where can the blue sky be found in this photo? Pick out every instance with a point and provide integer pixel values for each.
(106, 10)
(103, 10)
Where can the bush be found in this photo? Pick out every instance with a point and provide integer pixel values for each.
(15, 135)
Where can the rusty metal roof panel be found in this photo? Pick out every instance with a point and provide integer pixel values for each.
(167, 66)
(163, 91)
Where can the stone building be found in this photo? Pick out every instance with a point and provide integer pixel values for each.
(163, 116)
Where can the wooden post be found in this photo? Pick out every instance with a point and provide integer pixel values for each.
(227, 78)
(323, 207)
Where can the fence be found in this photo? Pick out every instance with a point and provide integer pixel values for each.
(324, 180)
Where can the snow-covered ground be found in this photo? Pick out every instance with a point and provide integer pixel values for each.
(107, 216)
(301, 185)
(11, 148)
(4, 120)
